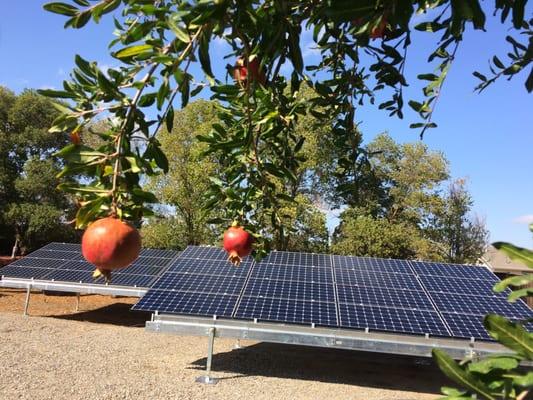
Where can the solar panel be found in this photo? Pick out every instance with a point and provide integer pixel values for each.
(200, 283)
(287, 310)
(209, 267)
(166, 301)
(290, 290)
(453, 270)
(63, 262)
(348, 292)
(480, 305)
(350, 277)
(458, 285)
(391, 319)
(299, 259)
(292, 273)
(23, 272)
(466, 325)
(75, 247)
(382, 265)
(384, 297)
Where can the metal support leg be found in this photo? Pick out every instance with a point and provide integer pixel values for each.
(207, 377)
(237, 345)
(77, 302)
(27, 302)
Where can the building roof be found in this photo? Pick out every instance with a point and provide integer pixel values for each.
(499, 262)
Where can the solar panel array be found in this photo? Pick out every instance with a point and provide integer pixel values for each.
(63, 262)
(333, 291)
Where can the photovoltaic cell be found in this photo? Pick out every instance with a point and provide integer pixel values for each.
(459, 285)
(209, 267)
(350, 277)
(299, 259)
(22, 272)
(453, 270)
(158, 253)
(391, 319)
(64, 262)
(283, 310)
(480, 305)
(384, 297)
(56, 254)
(381, 265)
(63, 247)
(206, 253)
(292, 273)
(290, 290)
(38, 262)
(466, 325)
(200, 283)
(187, 303)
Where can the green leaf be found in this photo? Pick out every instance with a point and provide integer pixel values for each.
(487, 365)
(529, 81)
(516, 253)
(146, 196)
(169, 119)
(56, 93)
(522, 380)
(133, 51)
(521, 280)
(453, 371)
(61, 8)
(510, 334)
(203, 53)
(517, 294)
(133, 163)
(180, 33)
(84, 65)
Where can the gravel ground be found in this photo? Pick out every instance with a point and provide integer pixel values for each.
(102, 352)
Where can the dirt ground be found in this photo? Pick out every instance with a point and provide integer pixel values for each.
(103, 352)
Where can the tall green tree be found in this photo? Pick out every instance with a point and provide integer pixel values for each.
(462, 237)
(32, 210)
(184, 186)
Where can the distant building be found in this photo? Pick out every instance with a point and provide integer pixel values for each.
(504, 267)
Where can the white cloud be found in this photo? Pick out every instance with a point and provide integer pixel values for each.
(524, 219)
(44, 87)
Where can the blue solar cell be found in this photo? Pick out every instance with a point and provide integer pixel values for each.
(384, 297)
(131, 280)
(283, 310)
(211, 267)
(206, 253)
(160, 253)
(75, 247)
(474, 287)
(292, 273)
(141, 270)
(290, 290)
(453, 270)
(200, 283)
(466, 325)
(382, 265)
(39, 262)
(350, 277)
(77, 276)
(78, 266)
(55, 254)
(299, 259)
(480, 305)
(391, 319)
(16, 271)
(151, 261)
(165, 301)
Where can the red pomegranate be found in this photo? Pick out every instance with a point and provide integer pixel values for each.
(241, 72)
(75, 137)
(238, 243)
(379, 31)
(110, 244)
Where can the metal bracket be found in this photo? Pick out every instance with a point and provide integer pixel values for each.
(77, 302)
(207, 378)
(27, 301)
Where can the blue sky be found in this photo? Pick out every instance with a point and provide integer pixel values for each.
(486, 137)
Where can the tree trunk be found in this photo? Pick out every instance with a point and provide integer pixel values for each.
(15, 248)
